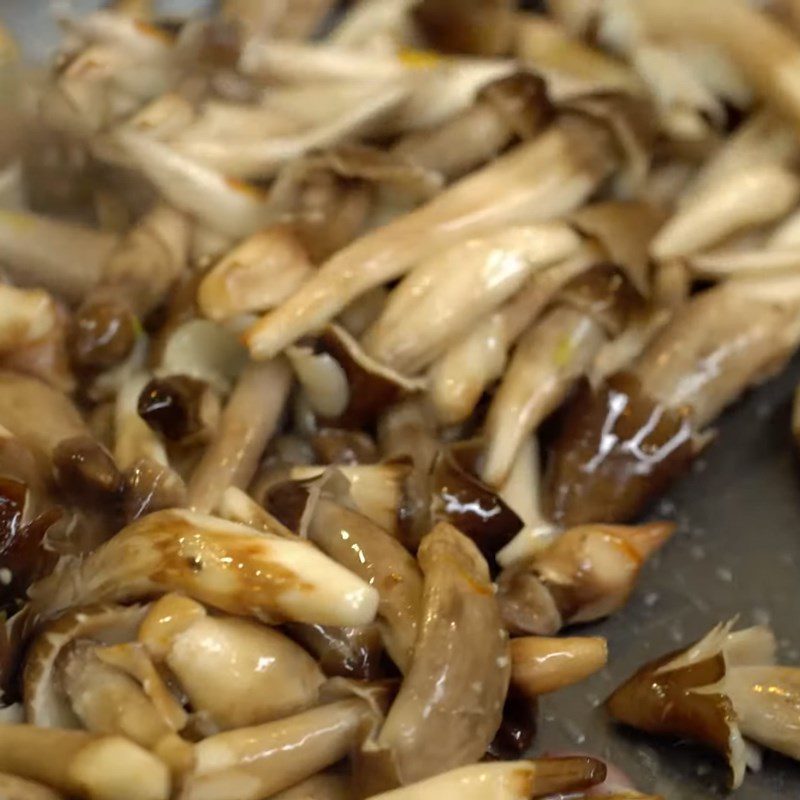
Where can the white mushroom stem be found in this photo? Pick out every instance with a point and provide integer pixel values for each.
(247, 423)
(223, 204)
(460, 376)
(134, 438)
(539, 180)
(220, 563)
(253, 763)
(521, 492)
(767, 55)
(13, 788)
(64, 258)
(512, 780)
(83, 765)
(237, 506)
(439, 300)
(257, 274)
(548, 360)
(720, 264)
(325, 786)
(735, 202)
(26, 315)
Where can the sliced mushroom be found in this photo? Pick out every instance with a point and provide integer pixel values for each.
(586, 574)
(650, 416)
(540, 179)
(439, 300)
(226, 565)
(540, 665)
(258, 274)
(252, 763)
(514, 780)
(713, 692)
(82, 764)
(549, 359)
(44, 703)
(450, 703)
(369, 552)
(467, 368)
(235, 672)
(246, 424)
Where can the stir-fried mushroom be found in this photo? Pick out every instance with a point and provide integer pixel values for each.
(586, 574)
(227, 565)
(720, 689)
(14, 788)
(624, 442)
(343, 652)
(540, 179)
(450, 703)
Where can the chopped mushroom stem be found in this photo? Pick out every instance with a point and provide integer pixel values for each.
(83, 765)
(246, 424)
(537, 180)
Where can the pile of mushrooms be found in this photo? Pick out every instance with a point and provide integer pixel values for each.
(341, 350)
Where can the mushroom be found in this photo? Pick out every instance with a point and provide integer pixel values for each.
(229, 566)
(586, 574)
(444, 295)
(340, 446)
(181, 409)
(344, 384)
(344, 652)
(45, 704)
(13, 788)
(650, 416)
(460, 376)
(257, 274)
(26, 316)
(83, 765)
(134, 280)
(246, 424)
(513, 780)
(227, 205)
(450, 702)
(256, 762)
(325, 786)
(475, 27)
(235, 672)
(549, 359)
(64, 258)
(294, 21)
(379, 559)
(720, 689)
(540, 664)
(540, 179)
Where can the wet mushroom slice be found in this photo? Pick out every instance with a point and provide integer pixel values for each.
(224, 564)
(235, 672)
(83, 765)
(135, 279)
(444, 295)
(368, 551)
(541, 179)
(256, 762)
(513, 780)
(549, 359)
(246, 424)
(719, 690)
(650, 417)
(451, 700)
(585, 575)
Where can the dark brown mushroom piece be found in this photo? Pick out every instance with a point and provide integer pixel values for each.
(343, 652)
(473, 27)
(517, 731)
(340, 446)
(179, 408)
(85, 471)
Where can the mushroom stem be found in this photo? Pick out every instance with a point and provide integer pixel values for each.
(513, 780)
(13, 788)
(253, 763)
(540, 665)
(64, 258)
(539, 180)
(83, 765)
(246, 424)
(228, 566)
(443, 296)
